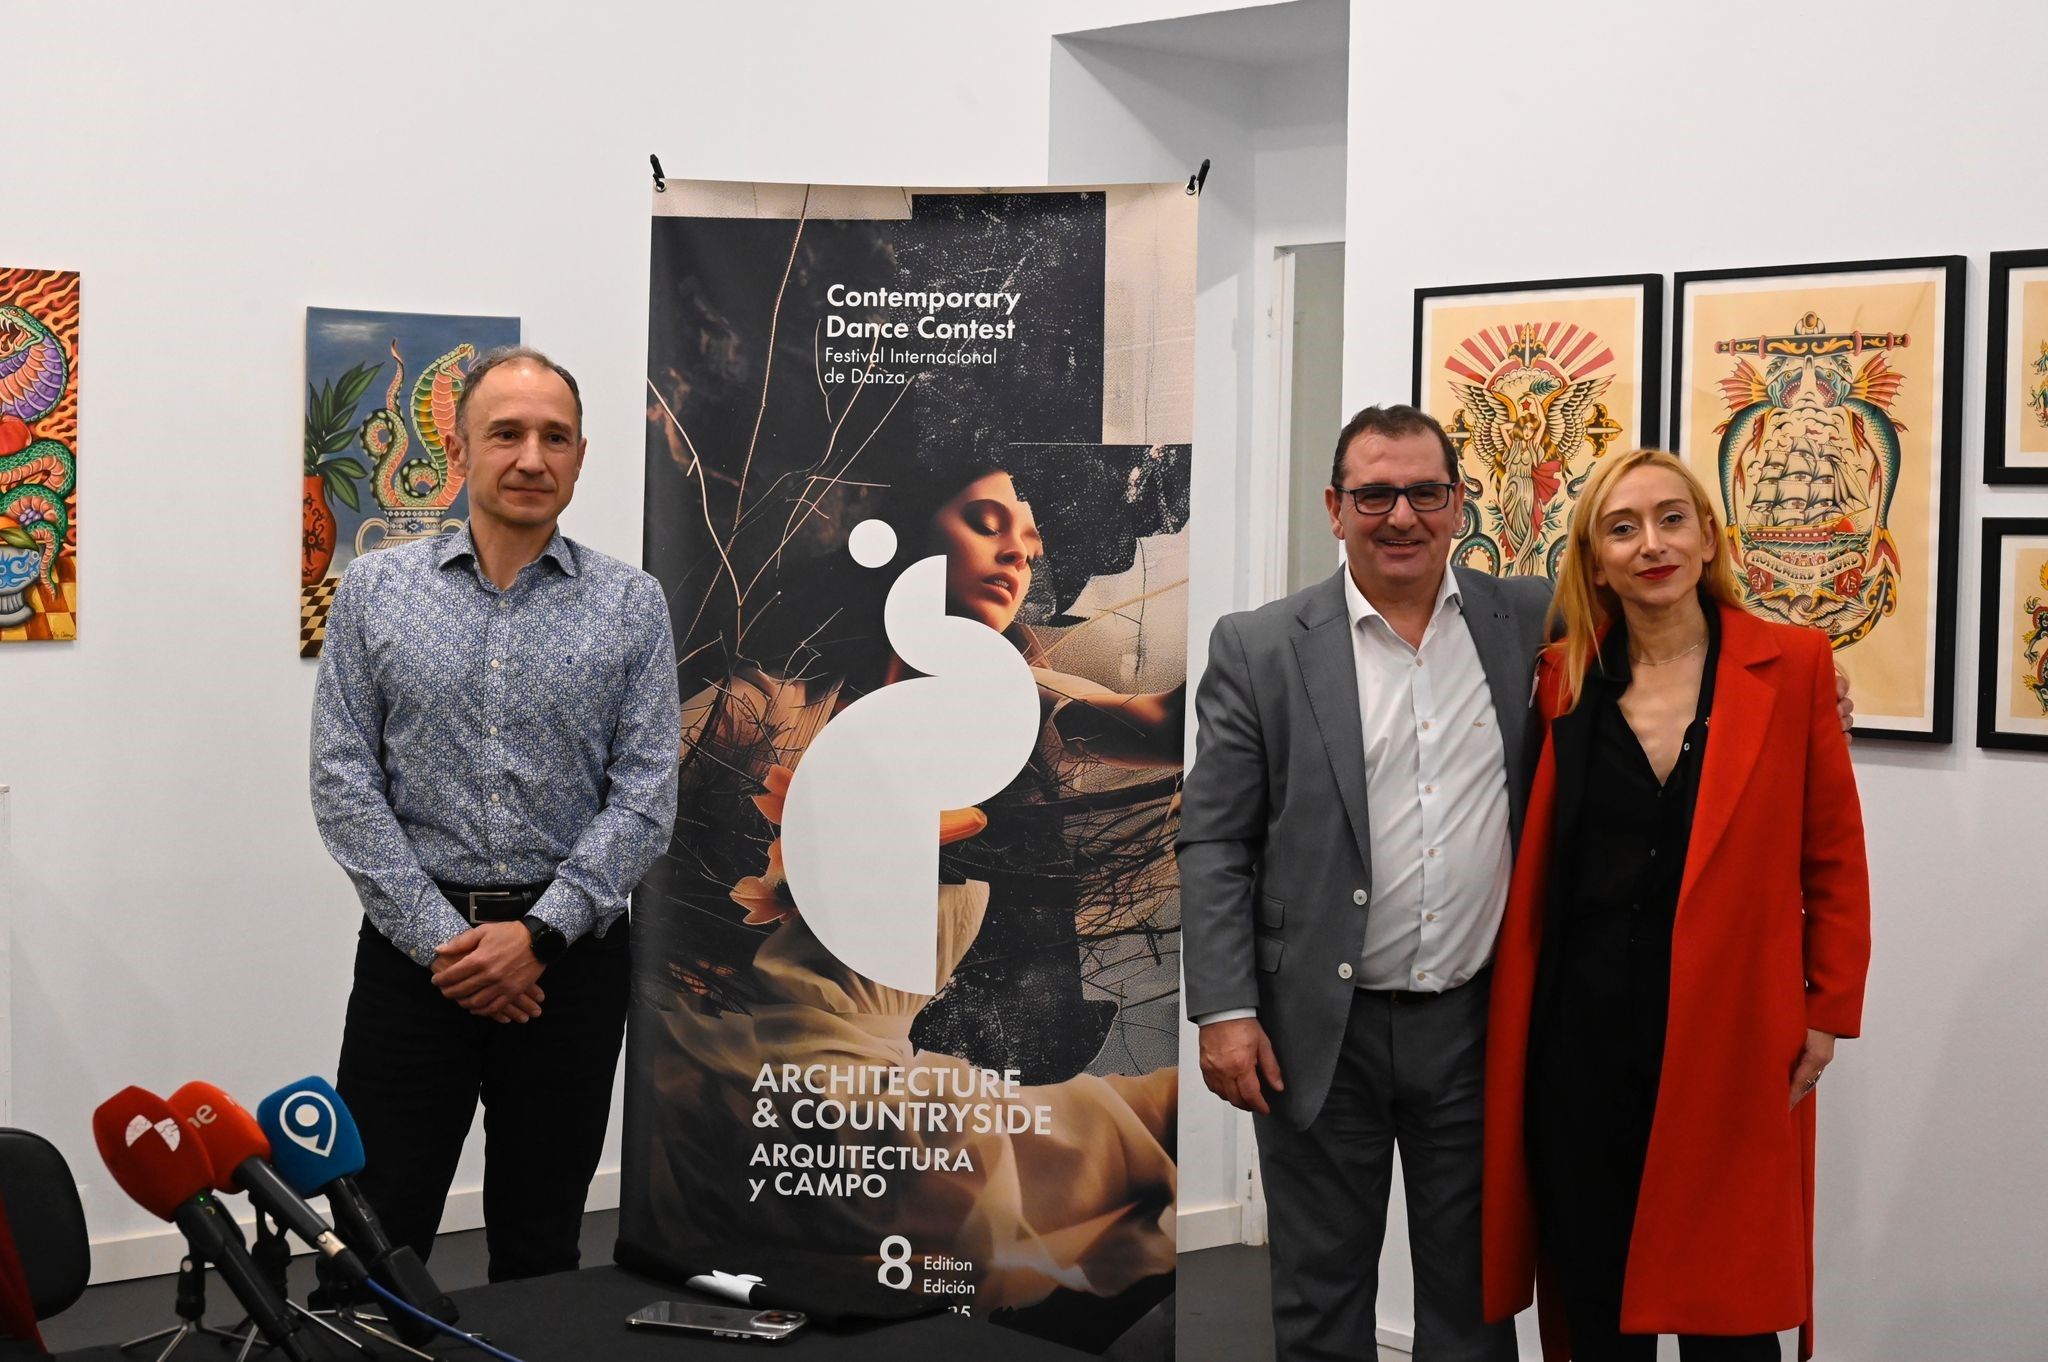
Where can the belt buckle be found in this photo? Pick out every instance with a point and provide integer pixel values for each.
(475, 896)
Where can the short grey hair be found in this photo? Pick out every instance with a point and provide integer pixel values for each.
(509, 354)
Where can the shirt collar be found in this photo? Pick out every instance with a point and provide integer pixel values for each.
(462, 544)
(1360, 609)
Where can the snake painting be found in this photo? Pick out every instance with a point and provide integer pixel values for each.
(35, 474)
(406, 480)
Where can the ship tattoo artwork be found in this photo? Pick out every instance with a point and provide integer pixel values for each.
(1809, 463)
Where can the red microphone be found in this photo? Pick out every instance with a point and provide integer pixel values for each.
(157, 1160)
(150, 1153)
(239, 1152)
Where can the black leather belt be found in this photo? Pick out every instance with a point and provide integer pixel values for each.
(493, 902)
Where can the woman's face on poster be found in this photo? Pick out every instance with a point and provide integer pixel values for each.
(990, 541)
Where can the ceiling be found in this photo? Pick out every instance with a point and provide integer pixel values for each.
(1258, 35)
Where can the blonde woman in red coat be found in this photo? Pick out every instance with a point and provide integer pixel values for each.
(1686, 939)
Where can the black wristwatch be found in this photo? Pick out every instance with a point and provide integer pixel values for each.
(548, 944)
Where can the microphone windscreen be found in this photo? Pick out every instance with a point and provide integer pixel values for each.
(229, 1133)
(151, 1154)
(313, 1139)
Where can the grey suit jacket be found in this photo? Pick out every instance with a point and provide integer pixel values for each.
(1275, 847)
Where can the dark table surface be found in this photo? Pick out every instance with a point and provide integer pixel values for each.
(581, 1317)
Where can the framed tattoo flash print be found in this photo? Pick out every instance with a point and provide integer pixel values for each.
(2012, 662)
(1824, 404)
(1533, 382)
(2016, 370)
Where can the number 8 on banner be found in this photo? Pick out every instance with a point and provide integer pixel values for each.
(895, 1260)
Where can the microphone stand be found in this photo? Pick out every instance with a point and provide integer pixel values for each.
(345, 1307)
(191, 1308)
(273, 1258)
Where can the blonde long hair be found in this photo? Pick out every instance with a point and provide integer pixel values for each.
(1583, 609)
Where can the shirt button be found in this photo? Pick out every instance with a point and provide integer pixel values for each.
(1343, 971)
(1653, 853)
(492, 730)
(494, 664)
(501, 867)
(1420, 974)
(503, 603)
(1425, 725)
(494, 796)
(1429, 789)
(1429, 917)
(1358, 897)
(1432, 852)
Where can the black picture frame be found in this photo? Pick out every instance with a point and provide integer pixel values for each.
(1648, 375)
(1999, 470)
(1943, 555)
(1993, 610)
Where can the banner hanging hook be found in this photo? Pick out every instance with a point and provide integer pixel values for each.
(1195, 181)
(661, 183)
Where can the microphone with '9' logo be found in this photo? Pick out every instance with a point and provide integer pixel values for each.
(316, 1148)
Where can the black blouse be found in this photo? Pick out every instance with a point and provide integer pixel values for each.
(1633, 831)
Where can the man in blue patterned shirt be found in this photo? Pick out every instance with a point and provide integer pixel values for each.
(495, 731)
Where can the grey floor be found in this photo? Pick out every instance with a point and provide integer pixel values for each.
(1223, 1297)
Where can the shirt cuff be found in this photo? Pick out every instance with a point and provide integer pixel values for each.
(1227, 1014)
(568, 910)
(434, 925)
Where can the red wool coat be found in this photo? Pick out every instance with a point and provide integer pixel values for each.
(1772, 936)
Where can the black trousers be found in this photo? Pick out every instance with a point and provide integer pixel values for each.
(413, 1066)
(1412, 1075)
(1594, 1069)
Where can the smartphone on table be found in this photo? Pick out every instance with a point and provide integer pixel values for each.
(722, 1321)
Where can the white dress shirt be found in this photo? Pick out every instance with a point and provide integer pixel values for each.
(1437, 801)
(1437, 795)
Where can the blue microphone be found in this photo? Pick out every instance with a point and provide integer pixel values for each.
(313, 1139)
(317, 1150)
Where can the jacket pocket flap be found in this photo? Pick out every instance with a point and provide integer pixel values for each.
(1267, 950)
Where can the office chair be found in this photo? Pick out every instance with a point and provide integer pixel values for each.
(47, 1220)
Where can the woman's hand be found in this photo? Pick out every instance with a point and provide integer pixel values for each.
(1818, 1054)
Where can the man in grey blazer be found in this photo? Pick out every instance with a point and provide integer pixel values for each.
(1346, 835)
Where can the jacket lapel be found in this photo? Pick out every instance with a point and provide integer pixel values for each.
(1571, 745)
(1743, 700)
(1329, 673)
(1506, 663)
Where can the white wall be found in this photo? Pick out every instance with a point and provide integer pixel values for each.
(1611, 138)
(212, 169)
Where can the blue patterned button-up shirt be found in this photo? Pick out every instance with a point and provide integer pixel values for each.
(485, 737)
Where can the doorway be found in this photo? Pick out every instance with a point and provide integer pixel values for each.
(1308, 326)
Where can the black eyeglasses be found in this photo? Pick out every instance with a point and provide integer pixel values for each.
(1377, 498)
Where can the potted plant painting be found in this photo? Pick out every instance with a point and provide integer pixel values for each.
(330, 469)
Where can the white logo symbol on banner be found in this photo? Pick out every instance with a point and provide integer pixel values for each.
(309, 1122)
(860, 825)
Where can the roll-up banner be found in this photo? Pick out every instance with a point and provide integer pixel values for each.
(906, 1008)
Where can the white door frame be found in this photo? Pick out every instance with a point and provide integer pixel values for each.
(1269, 473)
